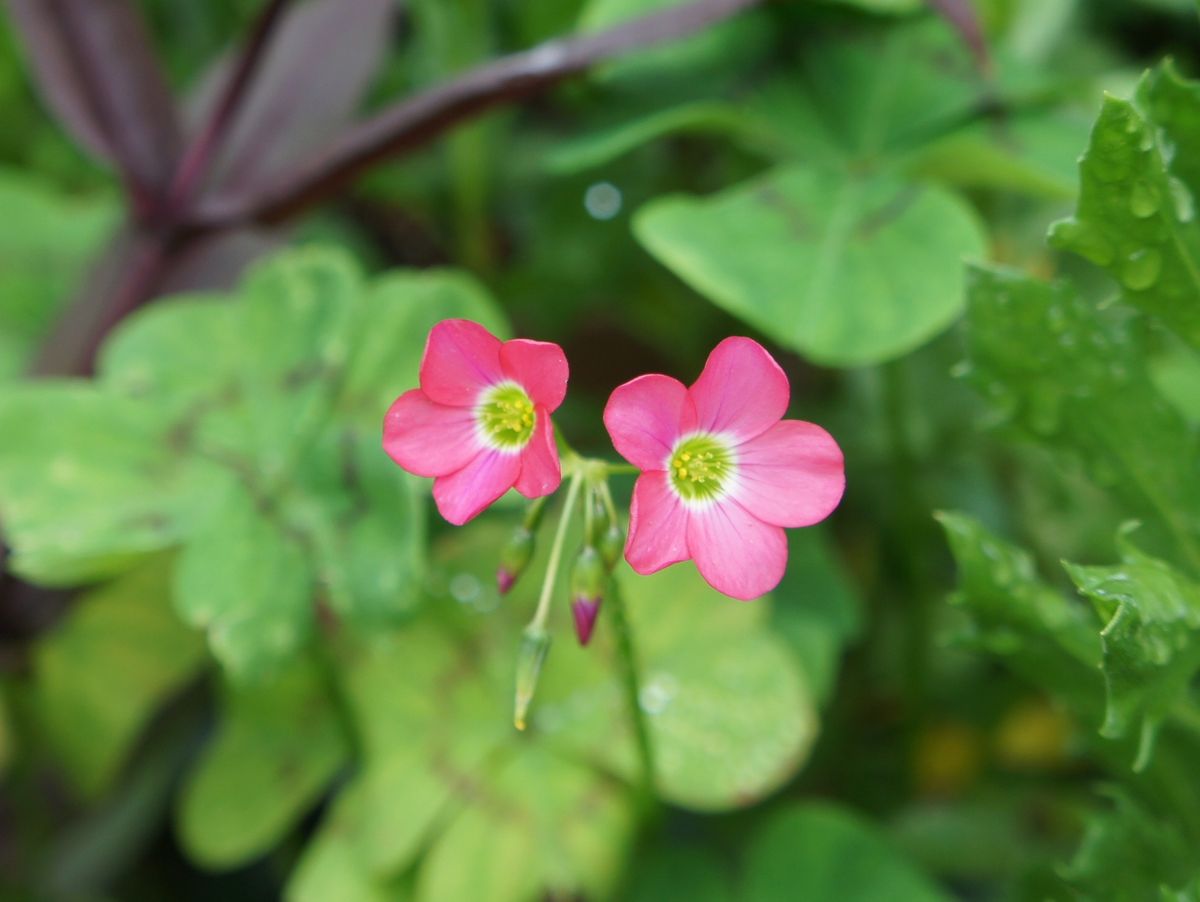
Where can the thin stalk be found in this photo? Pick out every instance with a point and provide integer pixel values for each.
(560, 536)
(631, 679)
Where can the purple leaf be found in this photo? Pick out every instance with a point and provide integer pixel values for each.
(94, 66)
(316, 68)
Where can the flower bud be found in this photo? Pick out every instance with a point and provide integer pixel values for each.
(514, 559)
(612, 544)
(535, 642)
(588, 578)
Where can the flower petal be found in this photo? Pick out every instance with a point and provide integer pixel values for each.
(742, 390)
(657, 525)
(462, 496)
(461, 359)
(429, 439)
(791, 475)
(539, 366)
(540, 471)
(644, 417)
(735, 552)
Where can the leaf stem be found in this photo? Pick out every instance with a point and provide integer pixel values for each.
(631, 679)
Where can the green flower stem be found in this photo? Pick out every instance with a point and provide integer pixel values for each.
(607, 498)
(620, 469)
(538, 623)
(630, 675)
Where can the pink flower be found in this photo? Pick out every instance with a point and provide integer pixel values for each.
(480, 422)
(722, 471)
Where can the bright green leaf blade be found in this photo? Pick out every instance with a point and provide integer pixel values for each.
(333, 868)
(247, 582)
(102, 674)
(845, 270)
(554, 826)
(46, 240)
(89, 482)
(366, 520)
(730, 715)
(820, 852)
(1136, 211)
(1151, 641)
(1075, 379)
(301, 317)
(401, 310)
(279, 745)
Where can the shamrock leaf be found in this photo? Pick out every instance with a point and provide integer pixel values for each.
(727, 704)
(104, 671)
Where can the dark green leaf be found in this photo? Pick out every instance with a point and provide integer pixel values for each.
(1076, 380)
(817, 851)
(1042, 635)
(1151, 640)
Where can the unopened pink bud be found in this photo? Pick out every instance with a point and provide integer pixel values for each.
(505, 580)
(585, 611)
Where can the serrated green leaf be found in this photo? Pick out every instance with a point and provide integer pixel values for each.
(1042, 635)
(104, 672)
(1075, 379)
(278, 746)
(1151, 640)
(90, 481)
(818, 851)
(46, 240)
(1128, 852)
(248, 583)
(1136, 211)
(845, 270)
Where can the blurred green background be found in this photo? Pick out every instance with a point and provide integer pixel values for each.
(240, 656)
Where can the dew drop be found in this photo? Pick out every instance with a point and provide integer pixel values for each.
(464, 588)
(657, 694)
(1141, 269)
(1181, 197)
(1143, 200)
(602, 200)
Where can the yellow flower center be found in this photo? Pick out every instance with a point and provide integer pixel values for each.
(506, 416)
(701, 466)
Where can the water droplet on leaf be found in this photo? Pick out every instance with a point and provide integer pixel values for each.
(1141, 269)
(1143, 200)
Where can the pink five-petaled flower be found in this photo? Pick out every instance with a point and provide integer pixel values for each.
(480, 422)
(722, 471)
